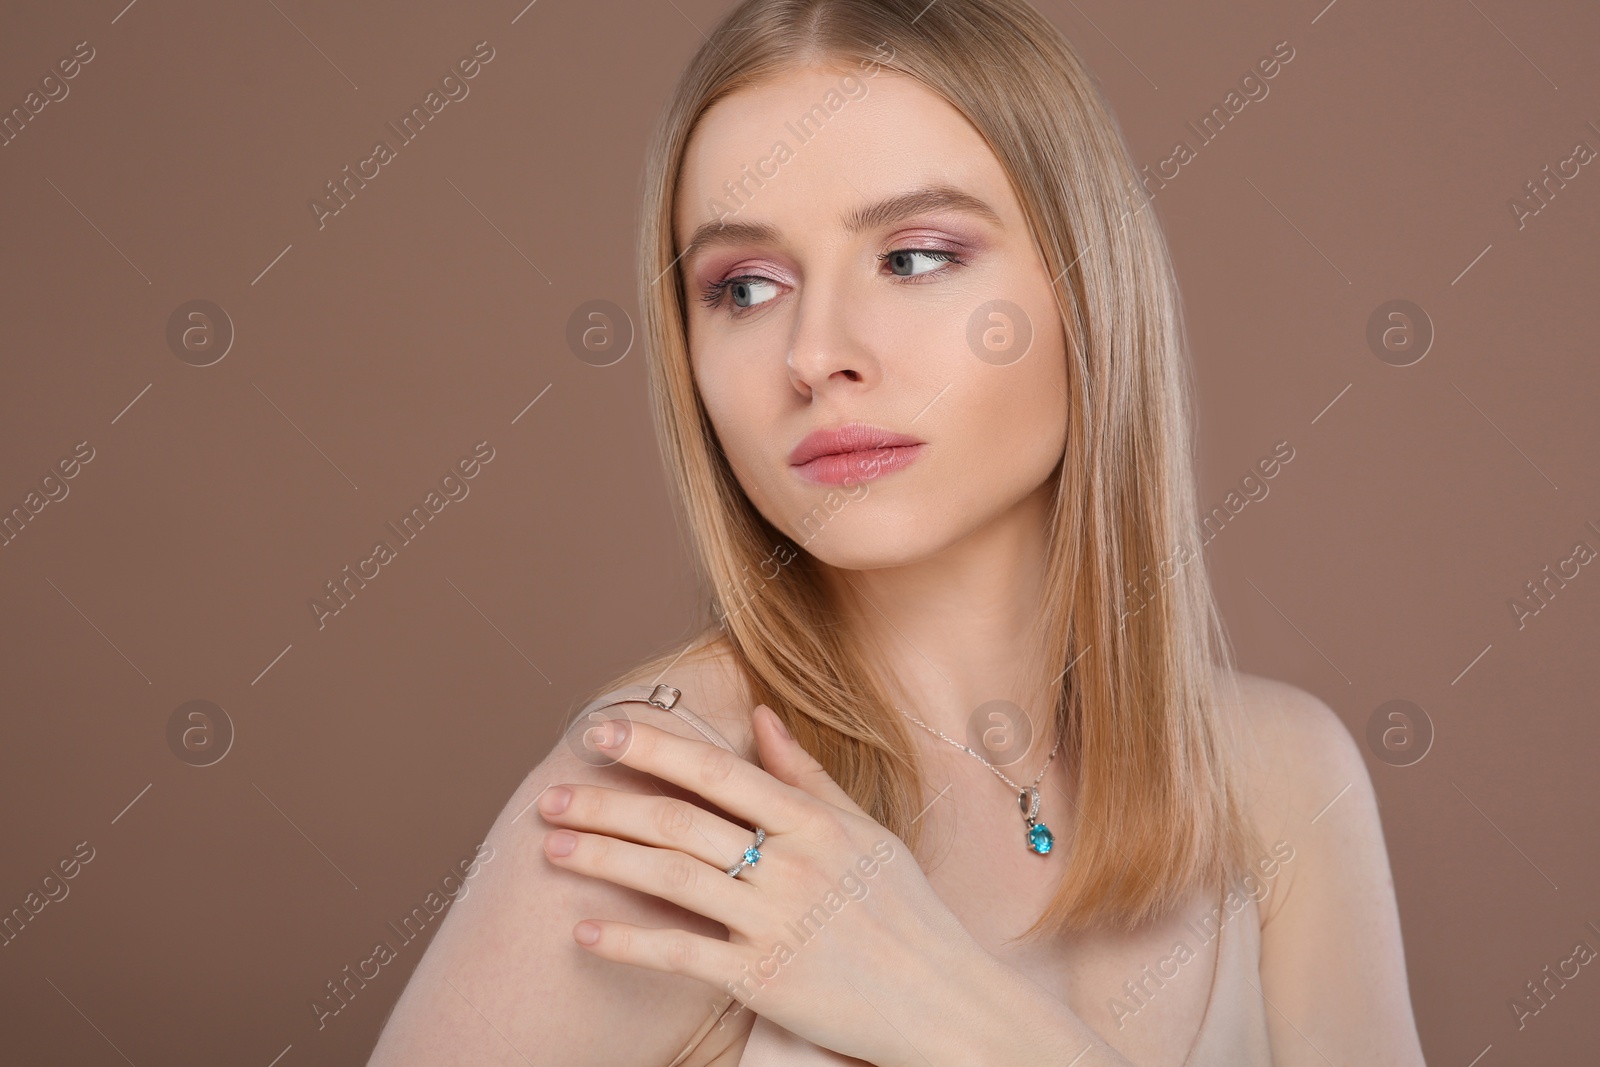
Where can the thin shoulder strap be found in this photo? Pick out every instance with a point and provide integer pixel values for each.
(664, 697)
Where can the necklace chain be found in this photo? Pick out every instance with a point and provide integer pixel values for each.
(968, 750)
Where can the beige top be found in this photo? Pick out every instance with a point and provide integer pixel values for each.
(1233, 1030)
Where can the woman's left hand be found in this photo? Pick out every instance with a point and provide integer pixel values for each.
(834, 932)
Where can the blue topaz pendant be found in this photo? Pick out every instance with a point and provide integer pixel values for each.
(1040, 839)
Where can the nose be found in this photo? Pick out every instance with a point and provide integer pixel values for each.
(826, 351)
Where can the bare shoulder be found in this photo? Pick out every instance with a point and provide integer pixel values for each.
(1332, 958)
(1299, 759)
(1291, 738)
(503, 981)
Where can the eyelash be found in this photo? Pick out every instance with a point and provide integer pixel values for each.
(712, 295)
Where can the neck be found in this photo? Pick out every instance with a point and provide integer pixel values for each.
(959, 629)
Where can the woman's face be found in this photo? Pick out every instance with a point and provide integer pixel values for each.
(830, 295)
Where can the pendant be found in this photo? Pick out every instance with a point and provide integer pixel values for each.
(1040, 839)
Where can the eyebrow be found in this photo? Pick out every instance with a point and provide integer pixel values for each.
(889, 210)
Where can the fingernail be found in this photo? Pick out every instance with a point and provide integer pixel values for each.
(587, 933)
(781, 728)
(561, 843)
(554, 800)
(613, 733)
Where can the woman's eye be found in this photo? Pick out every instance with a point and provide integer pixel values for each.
(746, 291)
(903, 261)
(751, 290)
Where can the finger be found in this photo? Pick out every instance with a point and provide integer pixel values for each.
(666, 873)
(786, 760)
(733, 784)
(672, 951)
(660, 820)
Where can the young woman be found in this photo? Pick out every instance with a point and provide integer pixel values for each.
(960, 774)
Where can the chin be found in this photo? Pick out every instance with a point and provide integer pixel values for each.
(866, 557)
(875, 546)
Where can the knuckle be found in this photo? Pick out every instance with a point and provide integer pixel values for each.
(675, 820)
(679, 874)
(718, 765)
(596, 848)
(681, 954)
(827, 826)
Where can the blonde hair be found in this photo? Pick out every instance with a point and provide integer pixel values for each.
(1159, 808)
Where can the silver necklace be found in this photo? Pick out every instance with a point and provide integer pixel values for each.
(1039, 837)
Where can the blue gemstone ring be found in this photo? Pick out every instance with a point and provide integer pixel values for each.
(751, 854)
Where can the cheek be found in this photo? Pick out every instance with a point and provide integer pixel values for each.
(716, 377)
(1019, 410)
(1018, 430)
(732, 402)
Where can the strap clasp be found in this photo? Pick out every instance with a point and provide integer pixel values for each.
(670, 693)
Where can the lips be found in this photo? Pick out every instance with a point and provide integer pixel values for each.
(852, 437)
(855, 452)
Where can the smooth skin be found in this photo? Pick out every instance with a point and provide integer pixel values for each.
(823, 323)
(875, 923)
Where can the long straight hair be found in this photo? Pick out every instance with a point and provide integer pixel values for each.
(1129, 618)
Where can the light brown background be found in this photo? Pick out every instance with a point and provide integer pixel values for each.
(374, 752)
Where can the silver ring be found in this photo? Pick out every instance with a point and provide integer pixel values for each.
(751, 854)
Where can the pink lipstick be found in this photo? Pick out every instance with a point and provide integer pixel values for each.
(855, 452)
